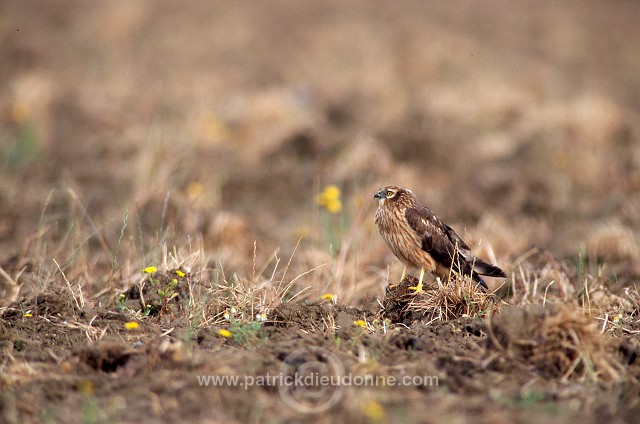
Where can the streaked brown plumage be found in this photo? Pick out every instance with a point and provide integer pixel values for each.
(421, 240)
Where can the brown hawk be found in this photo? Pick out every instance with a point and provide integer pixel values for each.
(422, 241)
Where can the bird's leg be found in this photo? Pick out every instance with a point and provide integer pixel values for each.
(404, 274)
(418, 288)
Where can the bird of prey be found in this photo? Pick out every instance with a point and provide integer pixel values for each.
(422, 241)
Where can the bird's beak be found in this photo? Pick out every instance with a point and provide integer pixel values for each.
(378, 195)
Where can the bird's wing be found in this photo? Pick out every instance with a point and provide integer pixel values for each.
(438, 239)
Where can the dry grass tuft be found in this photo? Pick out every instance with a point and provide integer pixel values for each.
(558, 341)
(461, 297)
(539, 278)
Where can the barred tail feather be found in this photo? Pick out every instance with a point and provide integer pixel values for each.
(484, 268)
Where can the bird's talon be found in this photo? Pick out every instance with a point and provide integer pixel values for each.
(418, 288)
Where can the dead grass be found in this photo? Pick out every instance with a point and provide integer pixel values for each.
(461, 297)
(215, 174)
(557, 340)
(255, 297)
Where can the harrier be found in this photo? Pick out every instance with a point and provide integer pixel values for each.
(421, 240)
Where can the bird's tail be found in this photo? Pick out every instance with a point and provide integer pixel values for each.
(481, 267)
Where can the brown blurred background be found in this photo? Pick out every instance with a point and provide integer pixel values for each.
(516, 122)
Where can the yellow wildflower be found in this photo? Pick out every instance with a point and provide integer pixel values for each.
(194, 190)
(360, 323)
(373, 410)
(131, 325)
(215, 129)
(85, 387)
(224, 333)
(180, 273)
(302, 232)
(328, 296)
(20, 112)
(150, 270)
(559, 159)
(330, 199)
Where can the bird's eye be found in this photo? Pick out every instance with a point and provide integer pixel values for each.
(390, 194)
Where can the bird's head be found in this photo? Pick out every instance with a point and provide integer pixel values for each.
(395, 194)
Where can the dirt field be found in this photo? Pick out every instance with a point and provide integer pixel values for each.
(186, 211)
